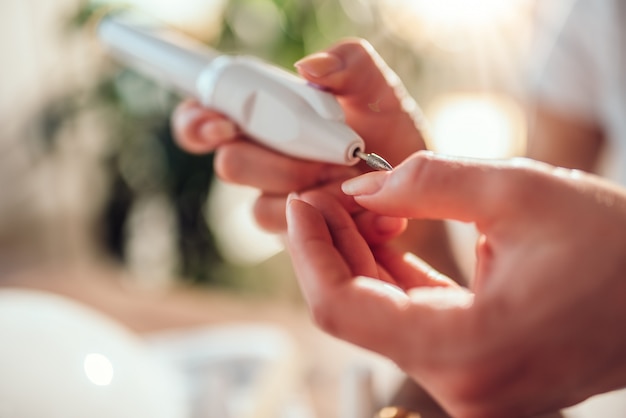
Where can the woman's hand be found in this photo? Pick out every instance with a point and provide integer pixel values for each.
(376, 107)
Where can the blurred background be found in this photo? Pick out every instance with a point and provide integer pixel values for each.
(97, 203)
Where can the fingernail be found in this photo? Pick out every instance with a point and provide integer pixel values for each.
(187, 116)
(292, 196)
(220, 129)
(365, 184)
(320, 64)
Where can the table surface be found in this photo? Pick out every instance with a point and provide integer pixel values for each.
(149, 311)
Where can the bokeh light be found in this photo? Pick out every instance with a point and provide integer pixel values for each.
(99, 369)
(257, 24)
(447, 23)
(239, 238)
(461, 12)
(473, 125)
(201, 19)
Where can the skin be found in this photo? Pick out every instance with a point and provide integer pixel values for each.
(376, 106)
(541, 326)
(379, 109)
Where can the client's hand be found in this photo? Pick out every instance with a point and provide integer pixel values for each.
(542, 326)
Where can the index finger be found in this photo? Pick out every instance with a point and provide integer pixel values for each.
(431, 186)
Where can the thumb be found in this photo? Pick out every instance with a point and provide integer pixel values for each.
(373, 98)
(353, 70)
(433, 186)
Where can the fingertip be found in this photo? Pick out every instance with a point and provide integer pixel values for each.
(215, 131)
(294, 208)
(185, 115)
(291, 197)
(366, 184)
(319, 65)
(270, 213)
(338, 66)
(200, 130)
(185, 105)
(185, 123)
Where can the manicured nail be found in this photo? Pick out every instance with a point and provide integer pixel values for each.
(365, 184)
(217, 130)
(292, 196)
(187, 116)
(320, 64)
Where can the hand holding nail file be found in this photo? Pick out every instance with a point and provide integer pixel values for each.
(274, 107)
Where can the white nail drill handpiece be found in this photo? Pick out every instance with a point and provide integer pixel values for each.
(272, 106)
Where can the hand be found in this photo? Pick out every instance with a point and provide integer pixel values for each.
(541, 327)
(375, 104)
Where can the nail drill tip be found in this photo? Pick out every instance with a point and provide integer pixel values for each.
(375, 161)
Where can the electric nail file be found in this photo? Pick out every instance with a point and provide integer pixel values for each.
(275, 107)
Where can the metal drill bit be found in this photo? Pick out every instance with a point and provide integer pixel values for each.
(374, 160)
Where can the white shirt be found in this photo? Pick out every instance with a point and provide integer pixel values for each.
(581, 68)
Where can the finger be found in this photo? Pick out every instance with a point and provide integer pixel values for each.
(353, 70)
(410, 271)
(385, 276)
(269, 212)
(244, 162)
(345, 235)
(318, 265)
(376, 104)
(438, 187)
(324, 248)
(200, 130)
(269, 209)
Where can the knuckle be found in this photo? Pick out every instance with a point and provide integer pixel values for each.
(418, 174)
(294, 175)
(421, 170)
(522, 185)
